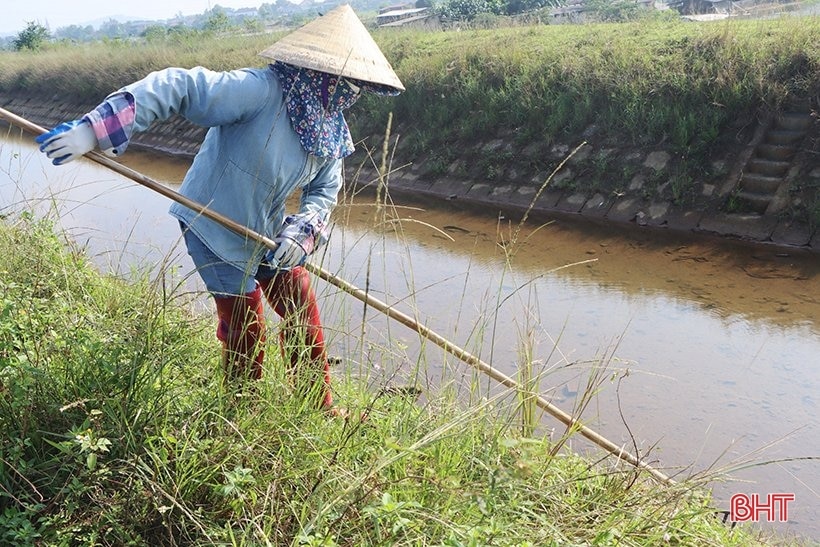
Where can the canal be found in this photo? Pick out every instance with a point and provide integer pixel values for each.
(707, 351)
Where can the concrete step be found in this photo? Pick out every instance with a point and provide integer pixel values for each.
(760, 184)
(769, 168)
(794, 121)
(775, 152)
(784, 137)
(750, 202)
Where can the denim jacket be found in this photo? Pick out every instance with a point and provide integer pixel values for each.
(250, 161)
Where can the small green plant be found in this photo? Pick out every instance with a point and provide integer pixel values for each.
(491, 172)
(680, 185)
(733, 204)
(92, 446)
(438, 164)
(316, 540)
(16, 527)
(392, 518)
(237, 487)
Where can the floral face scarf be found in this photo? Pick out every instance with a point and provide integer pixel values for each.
(315, 101)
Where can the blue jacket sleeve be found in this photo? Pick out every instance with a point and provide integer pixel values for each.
(202, 96)
(320, 194)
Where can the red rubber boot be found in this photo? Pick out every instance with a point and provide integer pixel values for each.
(289, 293)
(242, 332)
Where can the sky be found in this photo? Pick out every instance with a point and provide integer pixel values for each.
(15, 14)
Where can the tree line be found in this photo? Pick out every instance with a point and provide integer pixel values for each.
(287, 14)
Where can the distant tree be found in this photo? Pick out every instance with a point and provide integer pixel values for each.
(181, 31)
(424, 3)
(266, 11)
(467, 10)
(154, 33)
(253, 25)
(32, 37)
(520, 6)
(75, 33)
(301, 18)
(218, 20)
(613, 11)
(269, 11)
(112, 29)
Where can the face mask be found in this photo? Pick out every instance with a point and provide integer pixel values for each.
(315, 101)
(338, 94)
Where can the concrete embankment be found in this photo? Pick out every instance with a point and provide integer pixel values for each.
(763, 190)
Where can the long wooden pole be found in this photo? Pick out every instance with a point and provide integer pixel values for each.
(365, 297)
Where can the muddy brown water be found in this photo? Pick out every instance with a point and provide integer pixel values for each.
(712, 347)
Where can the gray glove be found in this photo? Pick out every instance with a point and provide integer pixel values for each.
(300, 235)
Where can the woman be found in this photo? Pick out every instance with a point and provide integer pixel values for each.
(271, 131)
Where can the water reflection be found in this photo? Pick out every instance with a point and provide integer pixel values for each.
(715, 344)
(727, 279)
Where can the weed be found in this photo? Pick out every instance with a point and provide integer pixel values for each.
(733, 204)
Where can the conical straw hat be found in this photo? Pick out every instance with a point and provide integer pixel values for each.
(337, 43)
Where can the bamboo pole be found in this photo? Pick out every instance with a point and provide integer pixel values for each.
(369, 300)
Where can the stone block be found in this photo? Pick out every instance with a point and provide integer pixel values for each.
(792, 233)
(597, 205)
(447, 188)
(572, 203)
(707, 190)
(398, 180)
(561, 176)
(657, 160)
(522, 195)
(458, 167)
(652, 214)
(480, 191)
(683, 220)
(493, 145)
(501, 191)
(624, 209)
(532, 150)
(656, 213)
(581, 155)
(559, 151)
(755, 227)
(657, 210)
(548, 199)
(720, 166)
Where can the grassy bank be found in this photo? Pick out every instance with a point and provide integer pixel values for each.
(690, 86)
(644, 82)
(115, 430)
